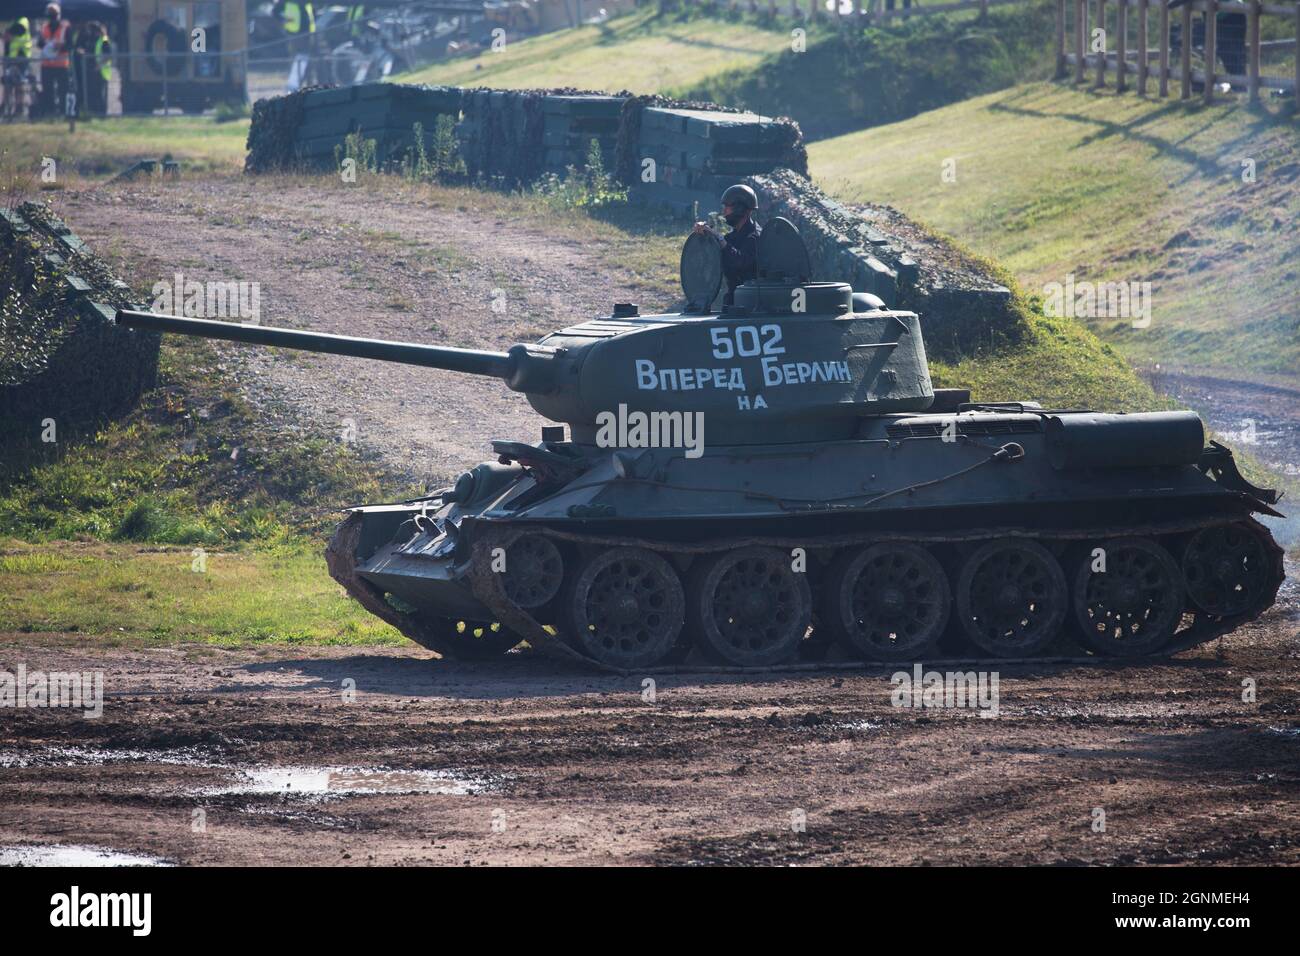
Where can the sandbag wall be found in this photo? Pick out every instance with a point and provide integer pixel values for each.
(699, 153)
(302, 130)
(569, 125)
(61, 355)
(510, 138)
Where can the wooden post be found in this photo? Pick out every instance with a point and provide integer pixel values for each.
(1164, 47)
(1079, 27)
(1100, 81)
(1252, 53)
(984, 10)
(1060, 39)
(1185, 54)
(1143, 15)
(1121, 52)
(1211, 35)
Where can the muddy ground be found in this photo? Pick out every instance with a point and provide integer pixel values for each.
(524, 761)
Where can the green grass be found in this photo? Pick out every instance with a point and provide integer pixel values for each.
(167, 472)
(93, 523)
(128, 594)
(849, 79)
(1051, 181)
(643, 52)
(105, 147)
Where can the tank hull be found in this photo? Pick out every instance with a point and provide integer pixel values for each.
(952, 486)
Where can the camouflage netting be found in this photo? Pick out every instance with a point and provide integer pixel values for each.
(501, 136)
(61, 356)
(274, 131)
(876, 249)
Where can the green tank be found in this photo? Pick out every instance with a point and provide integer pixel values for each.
(762, 484)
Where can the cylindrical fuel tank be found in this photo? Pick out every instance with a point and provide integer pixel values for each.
(1140, 440)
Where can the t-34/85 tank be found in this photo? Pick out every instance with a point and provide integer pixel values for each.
(755, 482)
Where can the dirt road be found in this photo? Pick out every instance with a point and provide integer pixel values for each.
(206, 757)
(367, 264)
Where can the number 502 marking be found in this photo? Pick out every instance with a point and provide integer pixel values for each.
(746, 341)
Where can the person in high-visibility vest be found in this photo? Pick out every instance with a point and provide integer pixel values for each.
(17, 69)
(299, 22)
(53, 43)
(357, 19)
(99, 71)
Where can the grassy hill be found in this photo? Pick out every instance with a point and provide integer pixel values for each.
(1052, 181)
(643, 52)
(852, 79)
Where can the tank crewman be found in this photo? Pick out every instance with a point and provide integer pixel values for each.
(740, 246)
(55, 61)
(17, 68)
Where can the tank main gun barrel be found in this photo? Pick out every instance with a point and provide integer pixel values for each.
(504, 365)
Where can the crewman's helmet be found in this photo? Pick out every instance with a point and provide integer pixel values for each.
(740, 195)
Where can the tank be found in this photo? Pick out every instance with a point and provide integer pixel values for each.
(779, 481)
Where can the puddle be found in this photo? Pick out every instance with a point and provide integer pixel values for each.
(1257, 418)
(95, 757)
(66, 855)
(856, 726)
(346, 782)
(297, 781)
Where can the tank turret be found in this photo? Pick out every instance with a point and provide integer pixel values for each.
(790, 359)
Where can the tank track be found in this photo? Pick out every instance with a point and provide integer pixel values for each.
(489, 588)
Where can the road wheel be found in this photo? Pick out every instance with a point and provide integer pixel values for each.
(1011, 598)
(1134, 606)
(534, 571)
(1227, 571)
(625, 607)
(887, 602)
(748, 607)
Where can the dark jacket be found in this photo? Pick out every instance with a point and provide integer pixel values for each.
(740, 257)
